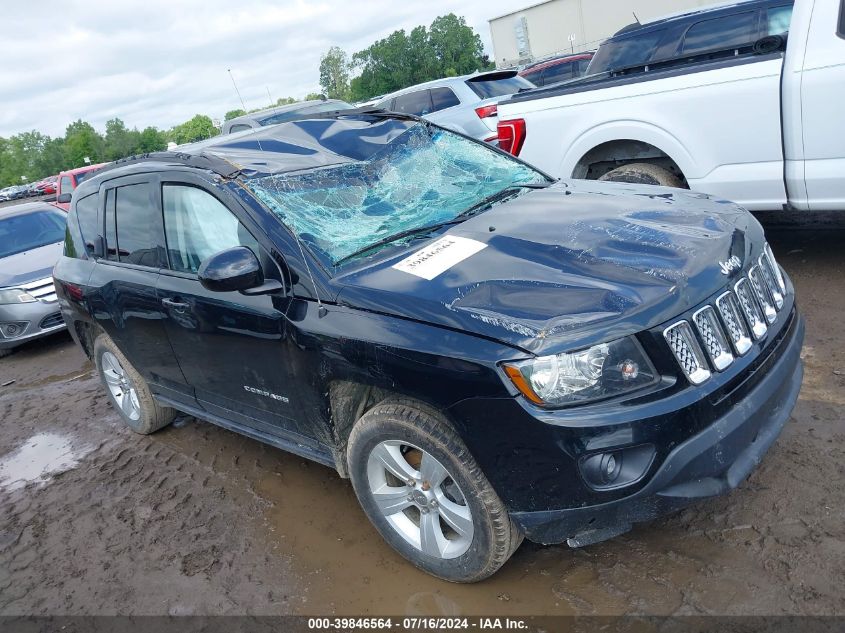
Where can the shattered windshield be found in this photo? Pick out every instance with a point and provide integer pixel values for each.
(424, 177)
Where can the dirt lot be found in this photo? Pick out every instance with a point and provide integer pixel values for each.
(197, 520)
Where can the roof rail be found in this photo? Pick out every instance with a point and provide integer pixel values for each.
(216, 164)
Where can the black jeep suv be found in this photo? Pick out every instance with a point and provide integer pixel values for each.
(486, 354)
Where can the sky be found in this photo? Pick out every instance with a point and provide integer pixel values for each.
(159, 62)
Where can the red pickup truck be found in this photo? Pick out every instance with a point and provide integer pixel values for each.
(69, 180)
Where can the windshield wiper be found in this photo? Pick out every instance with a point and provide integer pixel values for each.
(463, 215)
(428, 228)
(499, 196)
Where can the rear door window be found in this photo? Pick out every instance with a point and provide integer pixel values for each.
(418, 103)
(442, 98)
(111, 228)
(86, 214)
(738, 29)
(136, 225)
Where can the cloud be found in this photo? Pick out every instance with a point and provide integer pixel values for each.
(160, 62)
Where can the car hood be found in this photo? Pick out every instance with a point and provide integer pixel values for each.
(570, 265)
(30, 265)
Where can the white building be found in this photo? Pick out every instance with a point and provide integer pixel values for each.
(561, 26)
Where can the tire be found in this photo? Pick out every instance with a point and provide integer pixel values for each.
(139, 411)
(643, 174)
(7, 352)
(410, 431)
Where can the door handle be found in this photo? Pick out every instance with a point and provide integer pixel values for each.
(179, 306)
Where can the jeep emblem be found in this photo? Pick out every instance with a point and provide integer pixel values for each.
(730, 265)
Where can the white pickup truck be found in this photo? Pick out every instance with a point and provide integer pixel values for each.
(766, 130)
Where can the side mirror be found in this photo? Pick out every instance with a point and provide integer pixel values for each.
(64, 198)
(231, 270)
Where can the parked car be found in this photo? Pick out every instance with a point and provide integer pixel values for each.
(69, 180)
(31, 239)
(48, 185)
(6, 193)
(704, 34)
(466, 104)
(556, 69)
(762, 129)
(281, 114)
(486, 353)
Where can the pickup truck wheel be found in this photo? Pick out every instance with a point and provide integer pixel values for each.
(643, 174)
(128, 391)
(426, 495)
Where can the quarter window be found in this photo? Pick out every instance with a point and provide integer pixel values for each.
(239, 127)
(197, 225)
(66, 186)
(136, 225)
(733, 30)
(86, 213)
(778, 20)
(442, 98)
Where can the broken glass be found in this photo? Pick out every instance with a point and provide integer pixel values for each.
(425, 176)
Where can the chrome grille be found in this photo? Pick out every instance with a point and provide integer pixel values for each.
(750, 308)
(715, 342)
(41, 289)
(687, 352)
(734, 323)
(761, 291)
(770, 279)
(727, 331)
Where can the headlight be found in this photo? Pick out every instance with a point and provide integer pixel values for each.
(15, 295)
(598, 372)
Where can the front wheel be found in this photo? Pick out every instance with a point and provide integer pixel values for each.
(426, 495)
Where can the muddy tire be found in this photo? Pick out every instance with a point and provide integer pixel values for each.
(128, 391)
(643, 174)
(426, 495)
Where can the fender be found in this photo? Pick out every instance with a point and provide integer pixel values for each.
(629, 130)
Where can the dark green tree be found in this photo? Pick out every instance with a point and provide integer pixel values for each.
(234, 114)
(334, 73)
(151, 140)
(196, 129)
(82, 141)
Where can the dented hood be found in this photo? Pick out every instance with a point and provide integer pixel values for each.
(571, 265)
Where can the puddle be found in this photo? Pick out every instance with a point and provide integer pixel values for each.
(41, 457)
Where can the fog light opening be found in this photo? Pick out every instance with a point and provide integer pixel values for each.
(616, 468)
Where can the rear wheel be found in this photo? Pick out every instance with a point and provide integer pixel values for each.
(6, 352)
(643, 174)
(128, 391)
(426, 495)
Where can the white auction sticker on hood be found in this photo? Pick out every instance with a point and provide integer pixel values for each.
(439, 256)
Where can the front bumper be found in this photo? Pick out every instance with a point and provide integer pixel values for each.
(711, 462)
(42, 318)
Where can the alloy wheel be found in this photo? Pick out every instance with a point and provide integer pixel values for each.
(120, 386)
(420, 499)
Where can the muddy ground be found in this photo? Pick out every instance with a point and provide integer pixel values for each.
(198, 520)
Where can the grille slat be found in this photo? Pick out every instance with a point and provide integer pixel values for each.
(51, 321)
(762, 294)
(769, 278)
(687, 352)
(734, 323)
(42, 289)
(715, 342)
(750, 309)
